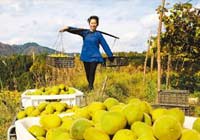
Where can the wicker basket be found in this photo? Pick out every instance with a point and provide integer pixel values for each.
(117, 61)
(61, 62)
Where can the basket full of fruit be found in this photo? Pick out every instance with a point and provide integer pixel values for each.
(62, 93)
(60, 60)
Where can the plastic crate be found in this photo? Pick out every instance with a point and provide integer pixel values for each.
(61, 62)
(11, 133)
(173, 97)
(34, 100)
(22, 125)
(23, 134)
(117, 61)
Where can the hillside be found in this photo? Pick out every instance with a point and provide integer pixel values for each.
(25, 49)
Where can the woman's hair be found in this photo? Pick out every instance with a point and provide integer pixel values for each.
(94, 17)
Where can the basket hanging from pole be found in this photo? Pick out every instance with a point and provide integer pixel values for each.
(60, 59)
(117, 61)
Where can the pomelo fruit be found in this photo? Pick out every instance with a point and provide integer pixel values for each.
(167, 128)
(37, 130)
(190, 134)
(50, 121)
(196, 125)
(78, 128)
(109, 102)
(111, 122)
(157, 113)
(141, 128)
(95, 134)
(124, 134)
(132, 113)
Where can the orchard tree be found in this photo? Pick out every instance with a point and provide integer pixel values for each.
(181, 39)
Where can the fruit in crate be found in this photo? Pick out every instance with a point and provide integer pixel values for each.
(57, 134)
(50, 121)
(95, 134)
(54, 90)
(167, 128)
(58, 55)
(78, 128)
(125, 134)
(112, 120)
(37, 130)
(44, 108)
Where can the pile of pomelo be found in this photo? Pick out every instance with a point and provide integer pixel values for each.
(54, 90)
(112, 120)
(44, 108)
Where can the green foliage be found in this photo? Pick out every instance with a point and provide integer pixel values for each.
(9, 106)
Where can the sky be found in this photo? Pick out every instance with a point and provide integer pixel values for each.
(133, 21)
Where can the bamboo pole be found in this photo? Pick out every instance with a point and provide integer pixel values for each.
(158, 50)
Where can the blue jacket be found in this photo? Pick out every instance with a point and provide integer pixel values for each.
(91, 40)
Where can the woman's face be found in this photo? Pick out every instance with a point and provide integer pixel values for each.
(93, 24)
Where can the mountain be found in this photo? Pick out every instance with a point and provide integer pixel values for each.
(25, 49)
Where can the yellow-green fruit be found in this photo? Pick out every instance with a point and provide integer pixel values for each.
(49, 109)
(196, 125)
(117, 108)
(147, 119)
(37, 130)
(37, 92)
(133, 113)
(42, 106)
(58, 106)
(177, 113)
(67, 122)
(111, 122)
(190, 134)
(94, 106)
(167, 128)
(63, 92)
(78, 128)
(55, 90)
(96, 117)
(40, 138)
(29, 110)
(95, 134)
(21, 115)
(35, 112)
(71, 91)
(146, 107)
(82, 113)
(62, 86)
(50, 121)
(141, 128)
(157, 113)
(146, 137)
(124, 134)
(109, 102)
(57, 134)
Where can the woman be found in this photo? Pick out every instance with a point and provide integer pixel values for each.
(90, 54)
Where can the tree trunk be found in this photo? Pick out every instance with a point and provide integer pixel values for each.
(158, 50)
(168, 72)
(145, 65)
(152, 63)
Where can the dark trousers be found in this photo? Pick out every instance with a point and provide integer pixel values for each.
(90, 68)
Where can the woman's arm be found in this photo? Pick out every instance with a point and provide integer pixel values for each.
(105, 46)
(73, 30)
